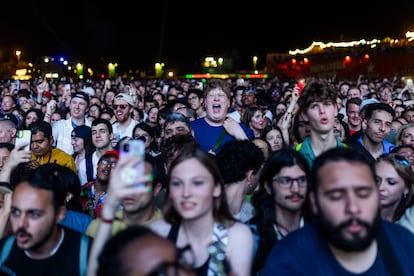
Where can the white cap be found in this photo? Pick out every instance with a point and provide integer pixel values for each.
(367, 101)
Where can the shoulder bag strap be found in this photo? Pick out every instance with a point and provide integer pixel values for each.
(83, 255)
(6, 249)
(218, 142)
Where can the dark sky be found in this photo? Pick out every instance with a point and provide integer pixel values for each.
(180, 33)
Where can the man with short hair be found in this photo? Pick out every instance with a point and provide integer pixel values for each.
(93, 193)
(376, 126)
(347, 235)
(62, 129)
(352, 114)
(240, 162)
(102, 136)
(318, 106)
(8, 128)
(39, 244)
(215, 129)
(137, 209)
(42, 148)
(123, 107)
(177, 123)
(8, 103)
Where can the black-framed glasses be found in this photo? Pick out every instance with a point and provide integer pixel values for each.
(143, 137)
(406, 155)
(286, 182)
(121, 106)
(402, 160)
(107, 162)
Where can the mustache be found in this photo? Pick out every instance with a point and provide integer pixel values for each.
(295, 195)
(352, 221)
(22, 231)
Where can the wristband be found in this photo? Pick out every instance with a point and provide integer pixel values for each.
(105, 220)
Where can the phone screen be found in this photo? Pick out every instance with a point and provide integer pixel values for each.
(135, 148)
(24, 137)
(300, 84)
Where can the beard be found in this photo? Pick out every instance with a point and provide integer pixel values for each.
(335, 235)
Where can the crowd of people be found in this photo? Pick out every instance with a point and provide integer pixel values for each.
(241, 177)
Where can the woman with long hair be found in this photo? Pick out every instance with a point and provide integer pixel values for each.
(83, 149)
(196, 214)
(396, 185)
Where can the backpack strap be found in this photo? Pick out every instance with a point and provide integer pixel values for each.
(83, 255)
(218, 143)
(89, 168)
(6, 249)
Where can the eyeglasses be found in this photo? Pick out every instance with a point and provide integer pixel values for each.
(107, 162)
(143, 137)
(406, 154)
(401, 159)
(217, 94)
(286, 182)
(121, 106)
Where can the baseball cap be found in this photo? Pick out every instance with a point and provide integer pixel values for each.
(81, 95)
(9, 117)
(125, 97)
(47, 94)
(250, 90)
(5, 187)
(82, 131)
(89, 90)
(107, 153)
(365, 102)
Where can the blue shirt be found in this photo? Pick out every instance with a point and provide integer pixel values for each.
(207, 135)
(305, 252)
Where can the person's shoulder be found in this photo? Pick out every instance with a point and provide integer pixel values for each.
(392, 227)
(59, 152)
(300, 239)
(117, 226)
(73, 234)
(197, 122)
(302, 246)
(160, 226)
(407, 219)
(59, 123)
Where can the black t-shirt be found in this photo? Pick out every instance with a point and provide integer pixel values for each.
(64, 262)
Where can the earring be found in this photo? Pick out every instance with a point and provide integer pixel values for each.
(405, 195)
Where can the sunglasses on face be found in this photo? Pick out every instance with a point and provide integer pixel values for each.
(121, 106)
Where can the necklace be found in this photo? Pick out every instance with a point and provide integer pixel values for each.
(54, 250)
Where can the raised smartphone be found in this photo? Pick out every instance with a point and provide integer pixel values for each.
(135, 148)
(300, 84)
(23, 137)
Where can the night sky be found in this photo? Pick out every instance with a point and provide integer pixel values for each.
(179, 33)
